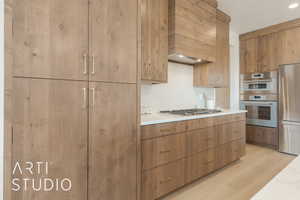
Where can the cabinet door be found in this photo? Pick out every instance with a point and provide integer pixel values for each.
(268, 53)
(50, 125)
(51, 39)
(113, 141)
(248, 54)
(289, 46)
(155, 40)
(114, 40)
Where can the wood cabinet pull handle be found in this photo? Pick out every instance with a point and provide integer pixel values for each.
(85, 64)
(84, 97)
(167, 130)
(93, 64)
(93, 96)
(166, 181)
(165, 151)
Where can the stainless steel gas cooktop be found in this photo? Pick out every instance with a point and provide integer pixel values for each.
(188, 112)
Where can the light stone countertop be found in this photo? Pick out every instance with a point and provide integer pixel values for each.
(284, 186)
(158, 118)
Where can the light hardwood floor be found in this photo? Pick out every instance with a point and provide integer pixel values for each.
(238, 181)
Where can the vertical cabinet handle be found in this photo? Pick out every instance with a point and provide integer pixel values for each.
(93, 64)
(93, 96)
(85, 64)
(84, 97)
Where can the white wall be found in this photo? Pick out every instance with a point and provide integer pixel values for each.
(234, 70)
(178, 93)
(1, 96)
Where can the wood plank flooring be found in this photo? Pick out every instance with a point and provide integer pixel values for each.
(238, 181)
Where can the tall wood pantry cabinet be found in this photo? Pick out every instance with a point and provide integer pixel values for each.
(75, 100)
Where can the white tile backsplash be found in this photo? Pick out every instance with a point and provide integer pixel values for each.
(178, 93)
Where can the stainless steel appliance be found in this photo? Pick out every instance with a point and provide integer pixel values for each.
(261, 113)
(289, 100)
(188, 112)
(259, 83)
(259, 96)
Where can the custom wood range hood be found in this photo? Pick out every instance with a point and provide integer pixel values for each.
(192, 31)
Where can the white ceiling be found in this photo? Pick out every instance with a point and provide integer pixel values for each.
(250, 15)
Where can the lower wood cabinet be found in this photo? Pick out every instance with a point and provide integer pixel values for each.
(190, 150)
(162, 150)
(162, 180)
(263, 136)
(200, 164)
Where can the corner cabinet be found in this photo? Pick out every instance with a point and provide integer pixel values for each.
(155, 40)
(75, 96)
(216, 74)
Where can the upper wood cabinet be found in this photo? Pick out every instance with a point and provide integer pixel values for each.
(268, 52)
(192, 29)
(50, 124)
(289, 46)
(216, 74)
(51, 41)
(113, 40)
(113, 141)
(155, 40)
(248, 56)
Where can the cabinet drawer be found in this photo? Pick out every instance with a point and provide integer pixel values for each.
(162, 150)
(239, 117)
(230, 132)
(262, 135)
(199, 123)
(230, 152)
(162, 180)
(158, 130)
(200, 140)
(200, 164)
(222, 120)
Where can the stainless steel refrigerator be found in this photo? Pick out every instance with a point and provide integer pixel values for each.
(289, 109)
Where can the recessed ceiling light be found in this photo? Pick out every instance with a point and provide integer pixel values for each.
(293, 5)
(181, 56)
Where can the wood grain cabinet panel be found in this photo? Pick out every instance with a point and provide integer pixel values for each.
(262, 135)
(162, 180)
(288, 46)
(268, 52)
(51, 39)
(163, 150)
(112, 141)
(200, 140)
(199, 123)
(155, 40)
(232, 131)
(216, 74)
(200, 165)
(157, 130)
(248, 56)
(113, 40)
(230, 152)
(50, 125)
(192, 29)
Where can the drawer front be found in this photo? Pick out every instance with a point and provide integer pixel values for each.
(200, 140)
(230, 152)
(262, 135)
(163, 150)
(200, 165)
(158, 130)
(162, 180)
(230, 132)
(229, 119)
(199, 123)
